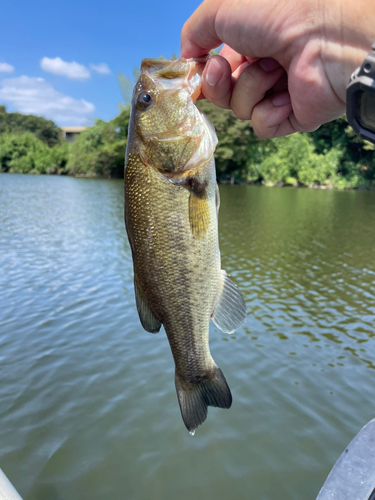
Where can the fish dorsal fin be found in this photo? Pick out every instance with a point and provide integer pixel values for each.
(230, 310)
(148, 320)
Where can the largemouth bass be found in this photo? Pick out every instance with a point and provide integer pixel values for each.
(171, 207)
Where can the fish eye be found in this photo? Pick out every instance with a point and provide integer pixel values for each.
(143, 100)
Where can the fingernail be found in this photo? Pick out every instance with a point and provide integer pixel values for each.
(213, 72)
(268, 64)
(281, 99)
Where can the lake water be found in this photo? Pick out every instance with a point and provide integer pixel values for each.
(88, 409)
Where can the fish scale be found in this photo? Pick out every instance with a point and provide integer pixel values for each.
(169, 261)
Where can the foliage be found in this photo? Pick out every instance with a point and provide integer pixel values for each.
(16, 123)
(358, 160)
(126, 86)
(239, 150)
(333, 156)
(295, 161)
(100, 150)
(26, 153)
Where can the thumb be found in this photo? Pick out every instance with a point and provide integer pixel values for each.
(198, 34)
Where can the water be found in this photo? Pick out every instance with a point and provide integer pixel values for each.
(88, 408)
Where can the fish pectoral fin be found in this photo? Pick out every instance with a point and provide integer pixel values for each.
(230, 310)
(217, 199)
(148, 320)
(199, 215)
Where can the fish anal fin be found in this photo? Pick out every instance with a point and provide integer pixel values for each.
(148, 320)
(230, 309)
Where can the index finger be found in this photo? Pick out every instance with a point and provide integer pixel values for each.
(234, 58)
(198, 35)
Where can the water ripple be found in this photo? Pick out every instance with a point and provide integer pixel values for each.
(88, 405)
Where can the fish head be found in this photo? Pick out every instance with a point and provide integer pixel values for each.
(171, 133)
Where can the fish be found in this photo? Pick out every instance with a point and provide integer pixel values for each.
(171, 217)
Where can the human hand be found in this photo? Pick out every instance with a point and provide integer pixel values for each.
(285, 64)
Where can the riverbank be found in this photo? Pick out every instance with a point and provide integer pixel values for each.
(233, 182)
(313, 185)
(330, 158)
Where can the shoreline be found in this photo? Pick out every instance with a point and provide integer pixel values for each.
(233, 182)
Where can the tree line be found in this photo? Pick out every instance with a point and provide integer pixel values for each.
(332, 157)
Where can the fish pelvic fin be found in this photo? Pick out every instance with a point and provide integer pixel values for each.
(195, 397)
(230, 309)
(148, 320)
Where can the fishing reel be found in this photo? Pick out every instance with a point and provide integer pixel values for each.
(360, 98)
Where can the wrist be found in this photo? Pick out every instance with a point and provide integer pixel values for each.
(347, 35)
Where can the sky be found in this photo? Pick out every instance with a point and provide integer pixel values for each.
(60, 59)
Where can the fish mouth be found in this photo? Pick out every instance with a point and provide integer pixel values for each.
(179, 73)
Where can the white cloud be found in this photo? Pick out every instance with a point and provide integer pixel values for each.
(101, 68)
(38, 97)
(71, 70)
(6, 68)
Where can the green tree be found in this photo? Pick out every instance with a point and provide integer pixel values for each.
(358, 155)
(332, 156)
(100, 150)
(25, 153)
(239, 151)
(17, 123)
(295, 161)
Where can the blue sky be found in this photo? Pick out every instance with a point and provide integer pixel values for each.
(39, 41)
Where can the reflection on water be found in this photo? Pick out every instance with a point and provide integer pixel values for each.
(88, 408)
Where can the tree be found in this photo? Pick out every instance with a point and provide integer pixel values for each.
(25, 154)
(17, 123)
(239, 150)
(100, 150)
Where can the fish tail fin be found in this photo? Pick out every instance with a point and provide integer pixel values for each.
(195, 397)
